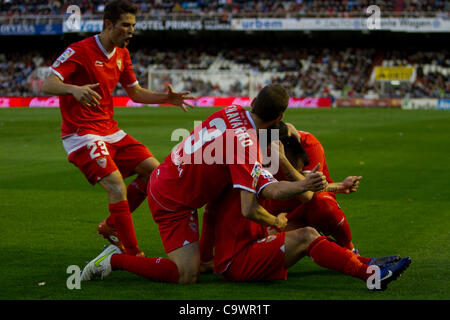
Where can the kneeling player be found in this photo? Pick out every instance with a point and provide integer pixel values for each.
(321, 210)
(245, 252)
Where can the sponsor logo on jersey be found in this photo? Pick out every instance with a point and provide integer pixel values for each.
(98, 63)
(267, 175)
(257, 168)
(256, 172)
(65, 55)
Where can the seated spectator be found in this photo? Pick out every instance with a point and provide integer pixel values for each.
(308, 72)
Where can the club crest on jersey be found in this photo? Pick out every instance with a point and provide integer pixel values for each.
(102, 162)
(193, 226)
(119, 64)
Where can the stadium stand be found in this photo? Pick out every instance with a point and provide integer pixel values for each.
(306, 72)
(237, 8)
(313, 71)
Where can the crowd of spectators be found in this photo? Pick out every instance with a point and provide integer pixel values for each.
(235, 8)
(18, 73)
(314, 72)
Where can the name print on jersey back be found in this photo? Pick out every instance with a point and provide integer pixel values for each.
(229, 139)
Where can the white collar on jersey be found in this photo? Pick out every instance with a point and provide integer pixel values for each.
(247, 113)
(109, 56)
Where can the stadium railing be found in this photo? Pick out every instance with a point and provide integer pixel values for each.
(15, 18)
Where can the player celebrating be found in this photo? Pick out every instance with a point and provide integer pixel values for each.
(222, 151)
(318, 210)
(84, 77)
(245, 252)
(322, 210)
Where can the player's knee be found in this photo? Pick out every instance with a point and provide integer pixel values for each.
(114, 185)
(188, 276)
(307, 235)
(188, 271)
(326, 217)
(118, 190)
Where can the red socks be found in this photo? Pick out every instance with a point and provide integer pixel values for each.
(136, 193)
(157, 269)
(330, 255)
(207, 237)
(343, 235)
(326, 216)
(123, 223)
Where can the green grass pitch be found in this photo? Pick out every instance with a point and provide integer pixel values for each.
(49, 212)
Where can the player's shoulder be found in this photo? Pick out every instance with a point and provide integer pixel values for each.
(228, 112)
(233, 108)
(79, 49)
(308, 138)
(237, 116)
(83, 44)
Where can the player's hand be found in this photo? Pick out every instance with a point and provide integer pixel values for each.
(281, 221)
(315, 181)
(351, 184)
(86, 95)
(178, 98)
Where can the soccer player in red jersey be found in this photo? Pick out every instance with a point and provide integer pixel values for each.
(84, 77)
(223, 151)
(244, 251)
(322, 210)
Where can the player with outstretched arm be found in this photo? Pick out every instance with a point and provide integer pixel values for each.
(84, 77)
(222, 151)
(245, 251)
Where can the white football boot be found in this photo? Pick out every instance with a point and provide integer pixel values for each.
(101, 265)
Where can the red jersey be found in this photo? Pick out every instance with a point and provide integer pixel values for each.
(222, 151)
(87, 62)
(316, 154)
(232, 231)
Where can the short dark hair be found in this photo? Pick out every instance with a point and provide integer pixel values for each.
(294, 150)
(271, 102)
(114, 9)
(292, 147)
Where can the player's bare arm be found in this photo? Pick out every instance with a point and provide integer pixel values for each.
(284, 190)
(255, 212)
(84, 94)
(348, 185)
(142, 95)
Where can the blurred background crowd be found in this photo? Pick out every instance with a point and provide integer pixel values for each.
(305, 72)
(309, 71)
(241, 8)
